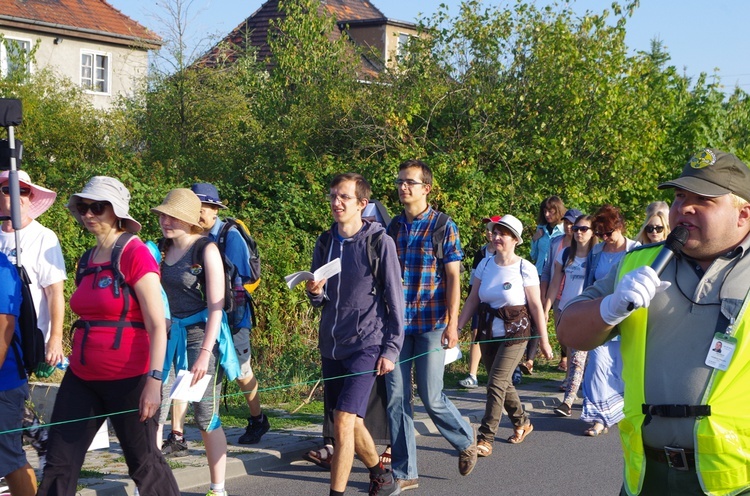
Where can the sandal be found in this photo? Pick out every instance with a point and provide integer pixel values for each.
(320, 457)
(520, 433)
(593, 431)
(385, 457)
(484, 448)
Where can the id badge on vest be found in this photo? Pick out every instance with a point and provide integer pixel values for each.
(721, 351)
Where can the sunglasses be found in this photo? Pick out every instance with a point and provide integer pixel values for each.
(651, 229)
(603, 234)
(97, 208)
(582, 229)
(22, 191)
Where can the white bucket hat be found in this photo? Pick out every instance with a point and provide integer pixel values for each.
(108, 189)
(512, 223)
(41, 198)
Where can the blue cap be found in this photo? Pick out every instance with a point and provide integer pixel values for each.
(572, 214)
(207, 193)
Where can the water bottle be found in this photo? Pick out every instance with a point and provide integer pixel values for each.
(63, 364)
(240, 301)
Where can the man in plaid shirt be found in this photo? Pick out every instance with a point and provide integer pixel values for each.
(432, 292)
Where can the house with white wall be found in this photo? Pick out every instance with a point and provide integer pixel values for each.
(89, 42)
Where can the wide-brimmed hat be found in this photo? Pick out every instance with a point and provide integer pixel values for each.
(572, 214)
(108, 189)
(713, 173)
(511, 223)
(41, 198)
(207, 193)
(182, 204)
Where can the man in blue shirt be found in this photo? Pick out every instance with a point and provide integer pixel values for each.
(14, 390)
(432, 292)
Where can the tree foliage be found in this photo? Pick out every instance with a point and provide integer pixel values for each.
(507, 104)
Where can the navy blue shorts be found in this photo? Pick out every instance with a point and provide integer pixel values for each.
(346, 386)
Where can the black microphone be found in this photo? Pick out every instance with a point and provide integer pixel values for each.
(674, 243)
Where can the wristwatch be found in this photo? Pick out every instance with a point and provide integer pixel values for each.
(155, 374)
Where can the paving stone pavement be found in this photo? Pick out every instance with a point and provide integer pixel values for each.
(278, 447)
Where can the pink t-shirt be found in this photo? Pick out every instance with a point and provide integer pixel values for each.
(94, 299)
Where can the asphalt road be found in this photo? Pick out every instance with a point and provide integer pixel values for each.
(555, 459)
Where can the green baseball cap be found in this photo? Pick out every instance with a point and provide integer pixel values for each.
(713, 173)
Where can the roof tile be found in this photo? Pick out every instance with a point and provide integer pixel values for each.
(90, 15)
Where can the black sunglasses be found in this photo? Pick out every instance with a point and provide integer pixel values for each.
(97, 208)
(603, 234)
(580, 228)
(22, 191)
(650, 229)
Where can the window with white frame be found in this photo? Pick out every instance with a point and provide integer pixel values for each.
(95, 71)
(403, 39)
(15, 56)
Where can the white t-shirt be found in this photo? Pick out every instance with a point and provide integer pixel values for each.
(575, 276)
(42, 257)
(504, 285)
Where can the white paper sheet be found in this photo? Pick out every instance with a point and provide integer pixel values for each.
(182, 391)
(328, 270)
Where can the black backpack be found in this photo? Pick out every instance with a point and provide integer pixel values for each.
(29, 348)
(197, 260)
(119, 288)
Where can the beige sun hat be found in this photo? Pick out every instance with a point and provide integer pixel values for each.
(182, 204)
(108, 189)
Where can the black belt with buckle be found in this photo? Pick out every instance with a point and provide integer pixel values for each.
(676, 458)
(674, 411)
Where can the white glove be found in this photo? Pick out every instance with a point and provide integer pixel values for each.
(635, 290)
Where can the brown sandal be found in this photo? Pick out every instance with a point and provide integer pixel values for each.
(520, 433)
(484, 448)
(321, 457)
(385, 457)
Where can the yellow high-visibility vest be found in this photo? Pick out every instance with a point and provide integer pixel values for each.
(722, 440)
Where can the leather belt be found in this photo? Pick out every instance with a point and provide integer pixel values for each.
(676, 458)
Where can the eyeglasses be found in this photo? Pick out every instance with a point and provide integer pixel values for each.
(651, 229)
(410, 183)
(582, 229)
(604, 234)
(341, 198)
(97, 208)
(22, 191)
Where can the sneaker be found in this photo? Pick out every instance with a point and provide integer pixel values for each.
(467, 459)
(517, 376)
(173, 448)
(408, 484)
(469, 383)
(211, 492)
(383, 485)
(563, 410)
(254, 431)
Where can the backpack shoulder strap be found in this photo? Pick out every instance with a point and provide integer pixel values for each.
(392, 229)
(115, 258)
(565, 255)
(221, 239)
(374, 247)
(438, 235)
(83, 265)
(200, 247)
